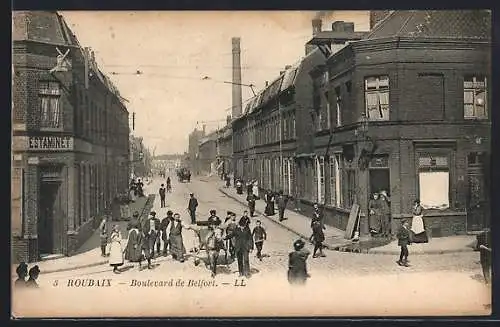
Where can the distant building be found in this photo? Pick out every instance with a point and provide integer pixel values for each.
(207, 159)
(193, 150)
(70, 139)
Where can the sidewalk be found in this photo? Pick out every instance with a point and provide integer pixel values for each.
(334, 238)
(294, 222)
(440, 245)
(89, 254)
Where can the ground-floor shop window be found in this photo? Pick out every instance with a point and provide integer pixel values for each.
(433, 181)
(320, 179)
(349, 189)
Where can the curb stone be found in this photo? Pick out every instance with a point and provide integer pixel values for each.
(302, 236)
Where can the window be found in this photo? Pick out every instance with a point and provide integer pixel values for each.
(475, 98)
(17, 201)
(320, 166)
(338, 103)
(328, 111)
(285, 127)
(50, 97)
(433, 181)
(285, 176)
(294, 131)
(349, 188)
(377, 98)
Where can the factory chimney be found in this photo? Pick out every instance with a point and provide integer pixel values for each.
(237, 98)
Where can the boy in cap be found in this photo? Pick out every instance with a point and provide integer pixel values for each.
(213, 219)
(404, 239)
(297, 263)
(259, 236)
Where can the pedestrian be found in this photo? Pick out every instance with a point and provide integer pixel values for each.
(169, 185)
(239, 187)
(251, 204)
(255, 190)
(154, 233)
(484, 244)
(133, 250)
(165, 222)
(318, 215)
(230, 228)
(177, 248)
(243, 246)
(317, 237)
(249, 187)
(228, 181)
(282, 202)
(103, 236)
(22, 272)
(215, 243)
(259, 236)
(33, 273)
(146, 251)
(192, 205)
(245, 220)
(162, 196)
(213, 219)
(375, 216)
(419, 234)
(297, 263)
(385, 211)
(116, 249)
(404, 239)
(269, 198)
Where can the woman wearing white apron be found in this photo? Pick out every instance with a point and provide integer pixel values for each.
(417, 225)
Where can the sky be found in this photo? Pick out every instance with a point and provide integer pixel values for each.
(175, 50)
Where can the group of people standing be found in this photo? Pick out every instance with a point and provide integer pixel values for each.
(23, 272)
(136, 189)
(143, 239)
(380, 214)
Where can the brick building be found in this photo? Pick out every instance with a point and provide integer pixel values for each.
(409, 113)
(207, 150)
(70, 139)
(225, 149)
(193, 150)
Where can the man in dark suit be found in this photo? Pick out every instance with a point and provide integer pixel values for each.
(192, 205)
(213, 219)
(245, 220)
(251, 203)
(282, 201)
(163, 227)
(243, 245)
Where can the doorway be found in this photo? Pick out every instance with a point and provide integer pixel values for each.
(47, 217)
(380, 180)
(478, 206)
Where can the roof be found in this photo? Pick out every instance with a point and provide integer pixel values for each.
(328, 36)
(42, 26)
(460, 24)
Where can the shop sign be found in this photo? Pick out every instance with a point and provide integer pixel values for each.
(50, 143)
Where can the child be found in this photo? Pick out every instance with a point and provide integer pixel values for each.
(259, 236)
(297, 263)
(103, 236)
(404, 239)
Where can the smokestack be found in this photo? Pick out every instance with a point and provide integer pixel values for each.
(316, 25)
(237, 98)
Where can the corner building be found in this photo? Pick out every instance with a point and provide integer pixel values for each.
(409, 109)
(70, 141)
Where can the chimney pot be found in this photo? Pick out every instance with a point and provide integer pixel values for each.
(316, 25)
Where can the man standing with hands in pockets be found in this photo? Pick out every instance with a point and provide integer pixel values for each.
(192, 205)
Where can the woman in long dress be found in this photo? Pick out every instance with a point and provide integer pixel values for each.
(133, 250)
(375, 215)
(177, 248)
(115, 250)
(417, 224)
(269, 197)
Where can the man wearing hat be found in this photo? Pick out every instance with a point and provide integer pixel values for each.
(404, 239)
(153, 232)
(192, 205)
(245, 220)
(230, 228)
(297, 263)
(213, 219)
(243, 245)
(168, 220)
